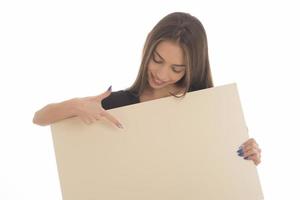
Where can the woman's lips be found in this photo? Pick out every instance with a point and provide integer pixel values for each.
(157, 82)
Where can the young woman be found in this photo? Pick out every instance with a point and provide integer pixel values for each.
(175, 61)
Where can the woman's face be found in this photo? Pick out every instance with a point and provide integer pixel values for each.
(166, 66)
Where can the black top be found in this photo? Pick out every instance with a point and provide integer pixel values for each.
(119, 98)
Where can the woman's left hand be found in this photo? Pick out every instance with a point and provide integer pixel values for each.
(250, 151)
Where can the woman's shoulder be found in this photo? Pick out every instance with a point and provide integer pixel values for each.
(118, 99)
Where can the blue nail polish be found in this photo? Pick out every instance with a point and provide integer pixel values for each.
(109, 89)
(246, 158)
(240, 151)
(120, 126)
(241, 154)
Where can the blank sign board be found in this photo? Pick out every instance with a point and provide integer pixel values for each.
(170, 149)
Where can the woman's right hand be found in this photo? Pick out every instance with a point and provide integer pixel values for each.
(89, 109)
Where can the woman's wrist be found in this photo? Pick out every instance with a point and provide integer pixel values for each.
(73, 106)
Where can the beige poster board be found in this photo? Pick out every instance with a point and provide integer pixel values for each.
(170, 149)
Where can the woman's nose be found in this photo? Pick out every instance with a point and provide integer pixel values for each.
(163, 73)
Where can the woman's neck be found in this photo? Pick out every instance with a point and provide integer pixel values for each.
(152, 94)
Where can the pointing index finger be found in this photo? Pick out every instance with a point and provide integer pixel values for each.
(112, 119)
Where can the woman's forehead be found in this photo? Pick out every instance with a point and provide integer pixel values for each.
(170, 51)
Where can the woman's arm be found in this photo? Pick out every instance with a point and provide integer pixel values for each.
(88, 109)
(55, 112)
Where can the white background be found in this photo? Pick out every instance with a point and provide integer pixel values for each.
(54, 50)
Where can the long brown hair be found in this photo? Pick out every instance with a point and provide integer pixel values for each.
(190, 34)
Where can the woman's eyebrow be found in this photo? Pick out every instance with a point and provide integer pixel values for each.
(164, 59)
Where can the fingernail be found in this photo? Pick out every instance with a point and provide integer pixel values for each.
(240, 151)
(240, 148)
(120, 126)
(241, 154)
(109, 89)
(246, 158)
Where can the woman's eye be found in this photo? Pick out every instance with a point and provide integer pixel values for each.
(156, 60)
(177, 71)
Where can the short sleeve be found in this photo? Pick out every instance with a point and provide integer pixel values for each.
(119, 99)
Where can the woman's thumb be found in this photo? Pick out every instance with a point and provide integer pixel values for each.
(105, 94)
